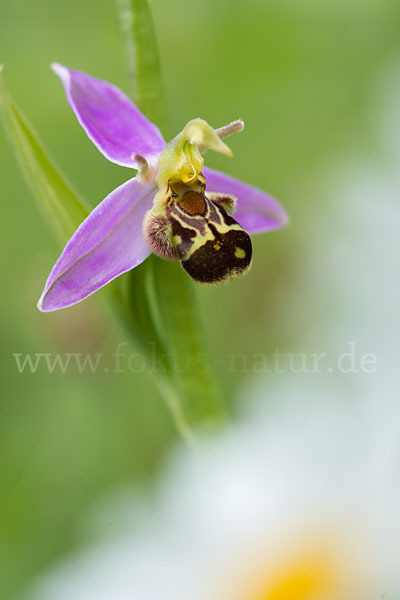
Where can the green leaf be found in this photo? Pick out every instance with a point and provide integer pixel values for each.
(59, 203)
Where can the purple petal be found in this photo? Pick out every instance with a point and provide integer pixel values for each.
(110, 118)
(109, 242)
(256, 211)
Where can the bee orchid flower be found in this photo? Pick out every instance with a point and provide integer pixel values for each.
(173, 207)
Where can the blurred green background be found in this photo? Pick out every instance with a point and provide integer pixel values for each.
(300, 73)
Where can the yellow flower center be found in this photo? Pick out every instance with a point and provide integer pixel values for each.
(312, 578)
(313, 571)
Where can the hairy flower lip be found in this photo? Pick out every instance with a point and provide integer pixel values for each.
(111, 240)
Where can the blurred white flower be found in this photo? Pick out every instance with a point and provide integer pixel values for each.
(298, 502)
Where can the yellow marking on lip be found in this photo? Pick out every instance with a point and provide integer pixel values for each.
(177, 239)
(240, 253)
(202, 238)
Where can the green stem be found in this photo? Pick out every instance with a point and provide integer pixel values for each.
(143, 59)
(168, 313)
(191, 369)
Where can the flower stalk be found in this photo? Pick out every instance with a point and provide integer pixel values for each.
(143, 59)
(166, 293)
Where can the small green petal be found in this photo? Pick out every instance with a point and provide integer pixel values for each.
(181, 159)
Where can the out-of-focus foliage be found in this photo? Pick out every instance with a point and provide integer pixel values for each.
(301, 75)
(59, 204)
